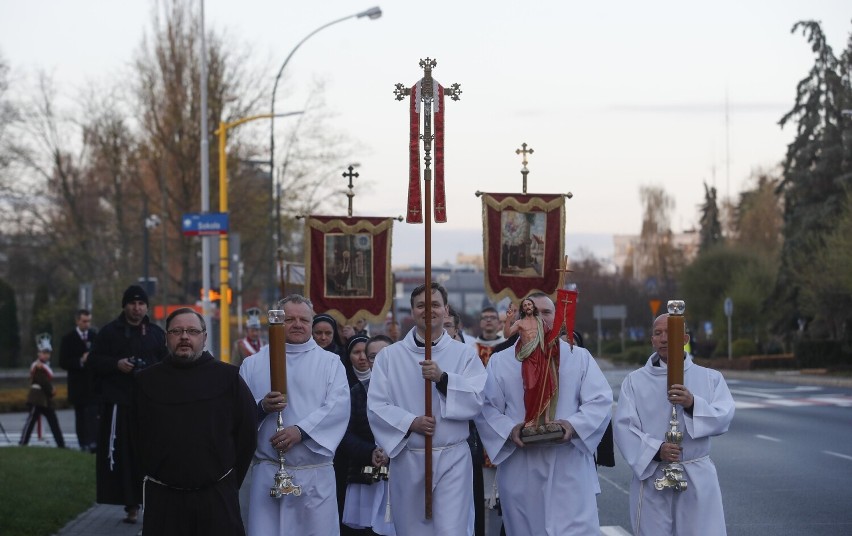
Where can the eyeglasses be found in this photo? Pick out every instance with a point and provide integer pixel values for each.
(192, 332)
(490, 317)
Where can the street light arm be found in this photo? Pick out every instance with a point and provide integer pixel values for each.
(372, 13)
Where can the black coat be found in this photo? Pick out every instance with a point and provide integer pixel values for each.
(80, 377)
(358, 442)
(118, 340)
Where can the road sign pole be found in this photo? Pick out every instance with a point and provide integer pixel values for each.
(729, 312)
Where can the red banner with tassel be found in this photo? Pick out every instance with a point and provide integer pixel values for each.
(440, 193)
(414, 214)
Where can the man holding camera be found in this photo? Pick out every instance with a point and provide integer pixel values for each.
(124, 346)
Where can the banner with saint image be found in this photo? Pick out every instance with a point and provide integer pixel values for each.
(348, 266)
(523, 243)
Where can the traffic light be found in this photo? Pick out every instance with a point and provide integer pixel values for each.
(215, 296)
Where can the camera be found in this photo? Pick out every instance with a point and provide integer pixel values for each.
(139, 363)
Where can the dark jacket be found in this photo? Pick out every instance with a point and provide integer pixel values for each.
(80, 377)
(358, 442)
(118, 340)
(41, 388)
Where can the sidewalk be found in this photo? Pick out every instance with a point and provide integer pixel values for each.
(101, 520)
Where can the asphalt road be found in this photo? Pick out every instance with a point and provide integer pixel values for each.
(785, 466)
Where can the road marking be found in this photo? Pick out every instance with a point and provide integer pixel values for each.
(613, 484)
(768, 438)
(835, 401)
(789, 402)
(614, 530)
(754, 394)
(747, 405)
(844, 456)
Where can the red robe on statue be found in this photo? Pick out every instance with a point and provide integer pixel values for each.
(540, 358)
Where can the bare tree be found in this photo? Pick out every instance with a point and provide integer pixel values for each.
(656, 260)
(759, 216)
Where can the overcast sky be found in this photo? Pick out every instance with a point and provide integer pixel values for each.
(610, 95)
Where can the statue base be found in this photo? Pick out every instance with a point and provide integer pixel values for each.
(546, 432)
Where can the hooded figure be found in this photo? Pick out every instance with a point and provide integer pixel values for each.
(327, 336)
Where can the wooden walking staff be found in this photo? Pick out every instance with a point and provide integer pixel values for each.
(428, 94)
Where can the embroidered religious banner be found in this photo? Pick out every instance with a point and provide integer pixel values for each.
(348, 266)
(523, 243)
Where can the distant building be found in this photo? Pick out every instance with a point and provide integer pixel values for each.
(628, 258)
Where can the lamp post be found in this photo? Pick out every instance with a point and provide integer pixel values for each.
(372, 14)
(225, 311)
(151, 221)
(205, 179)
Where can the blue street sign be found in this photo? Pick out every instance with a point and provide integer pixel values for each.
(214, 223)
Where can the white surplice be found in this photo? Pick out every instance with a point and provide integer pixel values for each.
(639, 428)
(395, 398)
(548, 488)
(318, 403)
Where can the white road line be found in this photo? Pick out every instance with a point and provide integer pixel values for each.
(844, 456)
(614, 530)
(837, 401)
(754, 394)
(613, 484)
(768, 438)
(747, 405)
(789, 402)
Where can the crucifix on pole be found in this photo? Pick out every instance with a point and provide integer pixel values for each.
(423, 96)
(351, 174)
(524, 171)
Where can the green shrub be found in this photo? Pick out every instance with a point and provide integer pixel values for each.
(817, 354)
(742, 347)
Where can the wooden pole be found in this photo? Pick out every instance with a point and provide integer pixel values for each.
(427, 209)
(277, 352)
(675, 343)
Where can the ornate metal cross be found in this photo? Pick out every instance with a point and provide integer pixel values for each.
(350, 194)
(524, 151)
(426, 94)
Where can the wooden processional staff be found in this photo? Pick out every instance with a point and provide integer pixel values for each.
(424, 97)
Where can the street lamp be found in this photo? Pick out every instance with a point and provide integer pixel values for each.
(372, 14)
(225, 311)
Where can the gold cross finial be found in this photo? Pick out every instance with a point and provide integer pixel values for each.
(524, 171)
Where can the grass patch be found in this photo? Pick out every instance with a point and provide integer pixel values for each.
(43, 489)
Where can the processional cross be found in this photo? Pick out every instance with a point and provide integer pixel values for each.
(351, 174)
(524, 151)
(427, 94)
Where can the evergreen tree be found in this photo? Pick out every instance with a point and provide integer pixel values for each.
(711, 228)
(817, 171)
(10, 337)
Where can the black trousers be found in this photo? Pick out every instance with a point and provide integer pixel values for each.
(86, 425)
(50, 415)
